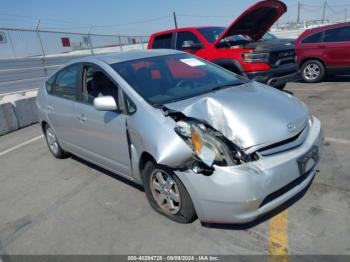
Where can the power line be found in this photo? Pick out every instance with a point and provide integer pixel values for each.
(204, 16)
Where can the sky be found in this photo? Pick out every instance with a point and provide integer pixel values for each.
(142, 17)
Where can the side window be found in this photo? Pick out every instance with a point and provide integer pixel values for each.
(130, 106)
(313, 39)
(185, 38)
(162, 41)
(96, 83)
(338, 35)
(66, 83)
(50, 83)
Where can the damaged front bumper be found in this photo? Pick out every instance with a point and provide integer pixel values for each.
(240, 194)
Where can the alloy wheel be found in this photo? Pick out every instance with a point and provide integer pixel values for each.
(312, 71)
(52, 141)
(165, 192)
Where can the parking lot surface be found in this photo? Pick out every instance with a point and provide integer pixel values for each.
(50, 206)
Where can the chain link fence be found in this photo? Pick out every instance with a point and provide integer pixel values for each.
(21, 43)
(28, 57)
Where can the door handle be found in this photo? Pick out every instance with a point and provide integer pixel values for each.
(50, 108)
(82, 118)
(322, 46)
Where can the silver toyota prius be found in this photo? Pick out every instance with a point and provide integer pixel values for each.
(201, 140)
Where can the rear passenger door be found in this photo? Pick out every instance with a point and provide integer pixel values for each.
(63, 93)
(312, 46)
(337, 47)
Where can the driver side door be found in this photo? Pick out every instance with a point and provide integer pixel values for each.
(103, 136)
(184, 37)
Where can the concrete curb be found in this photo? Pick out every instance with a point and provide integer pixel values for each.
(17, 111)
(8, 118)
(26, 111)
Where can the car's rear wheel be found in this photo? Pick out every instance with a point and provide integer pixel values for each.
(52, 143)
(166, 194)
(312, 71)
(280, 86)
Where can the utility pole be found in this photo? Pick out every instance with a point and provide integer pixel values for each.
(42, 47)
(324, 11)
(299, 9)
(90, 42)
(346, 14)
(175, 21)
(39, 38)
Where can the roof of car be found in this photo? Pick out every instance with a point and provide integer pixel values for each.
(113, 58)
(183, 29)
(326, 27)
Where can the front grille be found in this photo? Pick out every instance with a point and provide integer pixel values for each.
(285, 189)
(282, 57)
(287, 144)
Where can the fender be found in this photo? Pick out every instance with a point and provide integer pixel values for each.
(230, 63)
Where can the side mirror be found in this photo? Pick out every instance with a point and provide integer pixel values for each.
(191, 45)
(105, 103)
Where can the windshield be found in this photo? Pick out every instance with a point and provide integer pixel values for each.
(269, 36)
(165, 79)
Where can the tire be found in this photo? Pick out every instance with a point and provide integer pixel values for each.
(183, 211)
(281, 86)
(312, 71)
(52, 143)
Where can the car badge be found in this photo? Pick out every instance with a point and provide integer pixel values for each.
(291, 127)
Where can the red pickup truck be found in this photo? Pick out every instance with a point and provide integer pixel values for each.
(241, 47)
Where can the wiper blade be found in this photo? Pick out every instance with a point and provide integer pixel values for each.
(219, 87)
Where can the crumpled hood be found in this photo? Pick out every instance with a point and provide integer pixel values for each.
(250, 115)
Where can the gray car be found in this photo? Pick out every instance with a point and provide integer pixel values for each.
(201, 140)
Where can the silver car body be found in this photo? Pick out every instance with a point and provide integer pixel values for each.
(255, 117)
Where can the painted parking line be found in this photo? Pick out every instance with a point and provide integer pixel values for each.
(21, 145)
(278, 237)
(337, 140)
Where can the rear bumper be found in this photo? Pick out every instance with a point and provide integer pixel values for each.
(276, 76)
(240, 194)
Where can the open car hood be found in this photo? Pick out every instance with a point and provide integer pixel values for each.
(250, 115)
(256, 20)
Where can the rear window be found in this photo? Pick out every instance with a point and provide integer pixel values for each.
(162, 41)
(313, 39)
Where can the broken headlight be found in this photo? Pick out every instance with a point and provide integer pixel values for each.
(208, 145)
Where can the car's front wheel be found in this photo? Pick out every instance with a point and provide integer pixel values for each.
(53, 144)
(312, 71)
(166, 194)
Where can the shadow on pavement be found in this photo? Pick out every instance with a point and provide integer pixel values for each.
(108, 173)
(337, 79)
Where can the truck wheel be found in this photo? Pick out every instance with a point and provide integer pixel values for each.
(312, 71)
(281, 86)
(167, 195)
